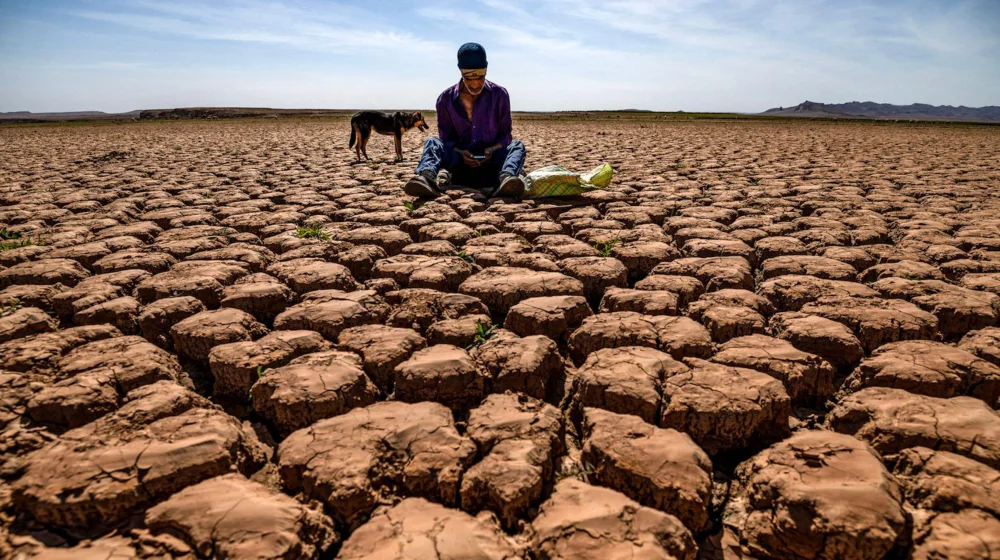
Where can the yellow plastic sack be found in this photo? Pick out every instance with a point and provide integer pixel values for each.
(556, 180)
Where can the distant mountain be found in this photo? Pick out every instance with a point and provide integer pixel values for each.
(28, 116)
(870, 110)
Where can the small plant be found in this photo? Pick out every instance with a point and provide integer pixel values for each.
(410, 207)
(483, 333)
(260, 373)
(15, 244)
(466, 257)
(580, 472)
(678, 164)
(10, 308)
(311, 232)
(479, 233)
(351, 173)
(754, 181)
(206, 195)
(6, 234)
(605, 249)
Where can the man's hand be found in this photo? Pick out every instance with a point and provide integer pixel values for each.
(467, 158)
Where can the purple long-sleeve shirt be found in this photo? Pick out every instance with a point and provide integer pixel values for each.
(490, 123)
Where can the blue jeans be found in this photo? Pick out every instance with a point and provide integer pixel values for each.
(508, 160)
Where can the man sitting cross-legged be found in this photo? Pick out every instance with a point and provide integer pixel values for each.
(474, 136)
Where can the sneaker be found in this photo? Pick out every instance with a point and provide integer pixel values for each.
(510, 187)
(421, 187)
(443, 179)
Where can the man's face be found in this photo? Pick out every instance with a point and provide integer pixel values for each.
(474, 84)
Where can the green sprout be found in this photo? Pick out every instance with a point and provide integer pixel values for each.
(604, 249)
(311, 232)
(10, 308)
(754, 181)
(580, 472)
(483, 333)
(410, 207)
(466, 257)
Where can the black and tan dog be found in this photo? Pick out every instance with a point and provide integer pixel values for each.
(395, 125)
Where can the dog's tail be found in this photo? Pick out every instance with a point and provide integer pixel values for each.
(354, 133)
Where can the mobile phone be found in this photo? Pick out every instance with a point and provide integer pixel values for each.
(479, 157)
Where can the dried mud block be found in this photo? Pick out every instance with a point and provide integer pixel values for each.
(928, 368)
(730, 298)
(444, 274)
(122, 312)
(519, 439)
(431, 249)
(942, 481)
(647, 302)
(40, 354)
(100, 473)
(854, 503)
(911, 270)
(416, 528)
(381, 349)
(716, 273)
(828, 339)
(805, 265)
(983, 343)
(791, 292)
(501, 288)
(419, 308)
(67, 303)
(597, 275)
(892, 420)
(659, 468)
(86, 254)
(46, 271)
(389, 238)
(93, 379)
(553, 316)
(687, 288)
(104, 548)
(256, 257)
(808, 378)
(459, 332)
(203, 280)
(158, 317)
(329, 312)
(310, 388)
(957, 309)
(263, 300)
(678, 336)
(726, 322)
(442, 373)
(530, 365)
(641, 257)
(350, 461)
(308, 275)
(235, 366)
(453, 232)
(195, 336)
(39, 296)
(25, 322)
(857, 257)
(564, 247)
(725, 408)
(966, 534)
(876, 321)
(230, 516)
(589, 522)
(778, 246)
(625, 380)
(533, 230)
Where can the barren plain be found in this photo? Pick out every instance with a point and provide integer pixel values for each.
(764, 340)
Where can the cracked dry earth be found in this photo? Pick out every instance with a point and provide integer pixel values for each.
(765, 340)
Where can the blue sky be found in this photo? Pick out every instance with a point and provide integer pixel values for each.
(692, 55)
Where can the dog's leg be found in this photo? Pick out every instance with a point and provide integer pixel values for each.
(366, 136)
(398, 137)
(355, 135)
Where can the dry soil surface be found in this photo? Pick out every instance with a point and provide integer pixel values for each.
(764, 340)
